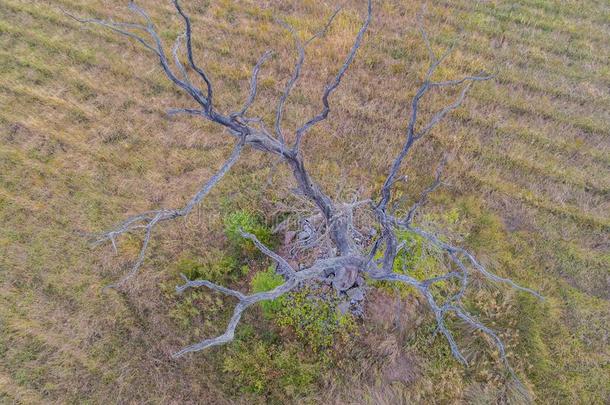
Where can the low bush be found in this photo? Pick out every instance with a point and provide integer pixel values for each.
(278, 372)
(250, 223)
(266, 281)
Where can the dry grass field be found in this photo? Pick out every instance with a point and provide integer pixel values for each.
(85, 141)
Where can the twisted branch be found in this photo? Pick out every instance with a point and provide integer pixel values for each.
(245, 301)
(297, 68)
(253, 85)
(150, 219)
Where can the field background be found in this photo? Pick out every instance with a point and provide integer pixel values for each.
(85, 141)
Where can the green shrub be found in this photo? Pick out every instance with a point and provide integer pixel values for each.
(277, 372)
(266, 281)
(417, 259)
(248, 222)
(314, 320)
(215, 266)
(185, 310)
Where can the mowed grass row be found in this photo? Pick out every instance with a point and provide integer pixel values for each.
(85, 142)
(554, 171)
(535, 108)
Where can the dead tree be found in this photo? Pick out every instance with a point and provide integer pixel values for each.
(351, 257)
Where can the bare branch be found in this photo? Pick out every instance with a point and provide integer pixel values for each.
(422, 287)
(189, 51)
(297, 69)
(117, 27)
(287, 268)
(315, 271)
(188, 111)
(253, 85)
(456, 250)
(437, 62)
(424, 34)
(244, 303)
(386, 189)
(148, 222)
(413, 135)
(332, 86)
(477, 78)
(156, 47)
(324, 29)
(436, 118)
(205, 283)
(290, 84)
(464, 277)
(175, 50)
(142, 255)
(424, 196)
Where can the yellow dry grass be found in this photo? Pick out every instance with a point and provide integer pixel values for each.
(84, 142)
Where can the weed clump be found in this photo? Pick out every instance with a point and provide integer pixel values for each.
(279, 372)
(246, 221)
(266, 281)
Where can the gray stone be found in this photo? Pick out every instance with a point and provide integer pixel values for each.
(303, 235)
(343, 307)
(289, 236)
(345, 277)
(356, 294)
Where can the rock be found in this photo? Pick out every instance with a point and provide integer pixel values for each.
(356, 294)
(345, 278)
(289, 236)
(303, 235)
(343, 307)
(359, 281)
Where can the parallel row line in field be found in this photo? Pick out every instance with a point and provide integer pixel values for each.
(109, 37)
